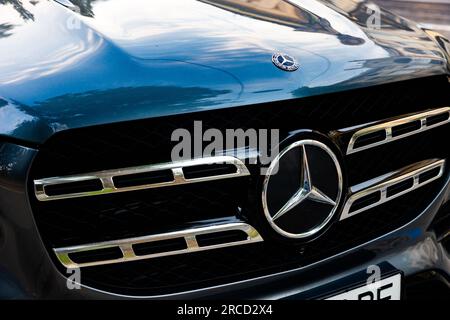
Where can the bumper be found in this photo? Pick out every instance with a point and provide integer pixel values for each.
(27, 271)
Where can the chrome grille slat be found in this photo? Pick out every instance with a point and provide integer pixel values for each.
(106, 177)
(381, 185)
(128, 253)
(388, 128)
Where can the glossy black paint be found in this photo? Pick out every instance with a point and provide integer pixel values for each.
(113, 63)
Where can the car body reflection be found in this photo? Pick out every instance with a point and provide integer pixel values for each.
(121, 60)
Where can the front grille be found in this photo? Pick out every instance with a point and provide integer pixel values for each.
(89, 217)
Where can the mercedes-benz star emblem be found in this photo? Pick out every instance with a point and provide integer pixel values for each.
(302, 189)
(285, 62)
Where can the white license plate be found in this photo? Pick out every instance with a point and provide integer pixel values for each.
(386, 289)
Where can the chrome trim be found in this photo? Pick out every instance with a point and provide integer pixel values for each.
(381, 184)
(106, 177)
(387, 126)
(126, 245)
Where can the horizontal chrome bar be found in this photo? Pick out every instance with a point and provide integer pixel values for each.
(107, 177)
(128, 253)
(388, 128)
(381, 184)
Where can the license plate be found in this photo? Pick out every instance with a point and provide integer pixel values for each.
(385, 289)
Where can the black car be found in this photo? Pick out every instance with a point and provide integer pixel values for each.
(257, 149)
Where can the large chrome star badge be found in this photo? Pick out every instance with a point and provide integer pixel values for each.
(296, 203)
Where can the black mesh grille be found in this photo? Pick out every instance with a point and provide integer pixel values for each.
(116, 216)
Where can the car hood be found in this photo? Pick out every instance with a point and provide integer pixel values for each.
(116, 60)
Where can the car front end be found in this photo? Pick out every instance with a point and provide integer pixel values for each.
(314, 157)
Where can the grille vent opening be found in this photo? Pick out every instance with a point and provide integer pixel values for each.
(212, 239)
(208, 170)
(96, 255)
(366, 201)
(370, 138)
(74, 187)
(144, 178)
(161, 246)
(433, 120)
(406, 128)
(426, 176)
(400, 187)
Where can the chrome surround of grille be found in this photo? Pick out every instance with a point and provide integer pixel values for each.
(126, 245)
(106, 177)
(381, 184)
(387, 126)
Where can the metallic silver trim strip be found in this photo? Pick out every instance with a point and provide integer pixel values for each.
(387, 126)
(106, 177)
(381, 184)
(126, 245)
